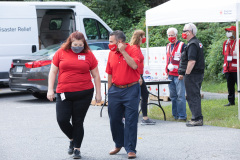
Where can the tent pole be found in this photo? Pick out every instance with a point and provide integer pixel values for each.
(147, 57)
(238, 79)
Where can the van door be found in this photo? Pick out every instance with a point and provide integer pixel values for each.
(56, 26)
(18, 32)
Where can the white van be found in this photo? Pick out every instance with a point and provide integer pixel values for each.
(26, 27)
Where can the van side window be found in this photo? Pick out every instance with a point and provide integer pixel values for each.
(94, 29)
(55, 24)
(104, 34)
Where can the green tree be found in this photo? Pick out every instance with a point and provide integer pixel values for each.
(118, 14)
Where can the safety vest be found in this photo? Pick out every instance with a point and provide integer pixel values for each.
(230, 56)
(174, 58)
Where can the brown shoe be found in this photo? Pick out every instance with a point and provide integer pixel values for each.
(114, 151)
(131, 155)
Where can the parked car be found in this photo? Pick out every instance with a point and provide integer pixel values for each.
(31, 73)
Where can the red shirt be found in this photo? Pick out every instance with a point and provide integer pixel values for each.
(141, 59)
(74, 70)
(117, 66)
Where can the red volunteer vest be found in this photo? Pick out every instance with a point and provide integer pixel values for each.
(229, 50)
(174, 57)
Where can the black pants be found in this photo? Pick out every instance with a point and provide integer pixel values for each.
(193, 83)
(144, 96)
(231, 81)
(75, 106)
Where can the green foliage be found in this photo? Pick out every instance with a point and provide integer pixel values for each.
(118, 14)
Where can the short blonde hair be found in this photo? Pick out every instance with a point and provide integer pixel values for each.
(135, 40)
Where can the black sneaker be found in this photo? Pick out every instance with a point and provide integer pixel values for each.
(70, 149)
(148, 122)
(76, 154)
(192, 123)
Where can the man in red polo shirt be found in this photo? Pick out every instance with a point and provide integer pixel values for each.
(123, 93)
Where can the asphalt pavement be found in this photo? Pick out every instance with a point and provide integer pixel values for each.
(29, 131)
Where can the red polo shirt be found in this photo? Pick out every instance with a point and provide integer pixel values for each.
(117, 66)
(74, 70)
(141, 59)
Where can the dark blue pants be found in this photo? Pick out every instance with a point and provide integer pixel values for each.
(123, 102)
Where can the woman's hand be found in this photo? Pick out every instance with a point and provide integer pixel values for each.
(98, 98)
(50, 95)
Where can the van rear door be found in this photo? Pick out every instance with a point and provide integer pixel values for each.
(18, 32)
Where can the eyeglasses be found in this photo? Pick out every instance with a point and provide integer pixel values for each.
(185, 31)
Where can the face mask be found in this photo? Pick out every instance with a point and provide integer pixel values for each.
(144, 40)
(172, 39)
(229, 34)
(77, 49)
(184, 35)
(112, 47)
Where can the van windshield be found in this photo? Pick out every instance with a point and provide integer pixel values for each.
(50, 50)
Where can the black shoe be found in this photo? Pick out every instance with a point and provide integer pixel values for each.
(229, 104)
(76, 154)
(70, 149)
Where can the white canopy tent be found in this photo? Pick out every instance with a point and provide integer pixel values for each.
(185, 11)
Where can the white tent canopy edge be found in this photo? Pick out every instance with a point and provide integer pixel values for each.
(185, 11)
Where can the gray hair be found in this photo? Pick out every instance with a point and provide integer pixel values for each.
(172, 29)
(191, 27)
(119, 35)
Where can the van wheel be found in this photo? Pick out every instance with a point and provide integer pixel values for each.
(40, 95)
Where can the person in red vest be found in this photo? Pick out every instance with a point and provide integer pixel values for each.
(176, 87)
(230, 63)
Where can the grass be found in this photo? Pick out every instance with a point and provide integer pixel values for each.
(214, 113)
(215, 87)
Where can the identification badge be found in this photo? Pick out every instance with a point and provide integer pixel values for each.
(176, 58)
(62, 96)
(229, 58)
(81, 57)
(177, 54)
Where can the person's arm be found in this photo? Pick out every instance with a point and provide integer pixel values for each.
(51, 79)
(97, 82)
(140, 81)
(130, 61)
(190, 66)
(192, 56)
(109, 81)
